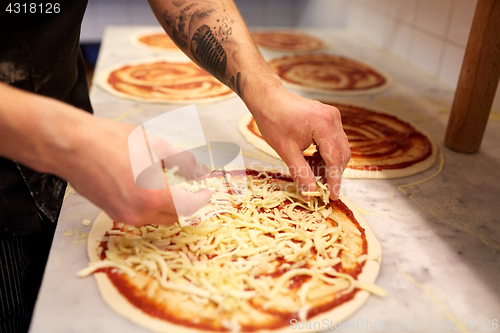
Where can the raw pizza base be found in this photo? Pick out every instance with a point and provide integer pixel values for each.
(376, 90)
(135, 41)
(102, 81)
(262, 145)
(295, 32)
(121, 305)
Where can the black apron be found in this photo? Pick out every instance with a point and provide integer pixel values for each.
(39, 52)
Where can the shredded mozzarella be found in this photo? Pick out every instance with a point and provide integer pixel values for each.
(229, 255)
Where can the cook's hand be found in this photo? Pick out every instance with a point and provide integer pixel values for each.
(100, 169)
(290, 123)
(93, 155)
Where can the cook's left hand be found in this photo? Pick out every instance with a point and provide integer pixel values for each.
(290, 123)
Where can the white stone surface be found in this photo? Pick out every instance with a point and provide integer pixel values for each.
(440, 238)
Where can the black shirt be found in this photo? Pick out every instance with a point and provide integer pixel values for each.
(39, 52)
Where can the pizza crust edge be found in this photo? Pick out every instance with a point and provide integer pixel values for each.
(135, 41)
(254, 140)
(349, 173)
(101, 79)
(121, 305)
(323, 47)
(389, 82)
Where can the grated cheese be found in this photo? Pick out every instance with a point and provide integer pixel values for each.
(228, 256)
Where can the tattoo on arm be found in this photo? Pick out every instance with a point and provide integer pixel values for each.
(204, 46)
(207, 51)
(177, 29)
(178, 3)
(235, 83)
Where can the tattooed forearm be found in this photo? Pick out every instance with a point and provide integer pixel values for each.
(235, 83)
(209, 52)
(208, 47)
(178, 3)
(176, 28)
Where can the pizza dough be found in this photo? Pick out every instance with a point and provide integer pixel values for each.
(289, 41)
(156, 40)
(327, 73)
(382, 146)
(193, 306)
(161, 81)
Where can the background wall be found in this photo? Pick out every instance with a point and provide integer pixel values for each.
(430, 35)
(264, 13)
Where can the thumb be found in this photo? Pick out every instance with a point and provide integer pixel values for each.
(187, 203)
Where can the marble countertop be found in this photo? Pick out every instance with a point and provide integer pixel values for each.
(439, 230)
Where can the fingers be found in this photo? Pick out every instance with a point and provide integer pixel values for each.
(165, 206)
(330, 150)
(175, 156)
(334, 148)
(343, 141)
(145, 198)
(188, 165)
(300, 170)
(187, 203)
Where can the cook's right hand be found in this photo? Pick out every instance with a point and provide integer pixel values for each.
(100, 169)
